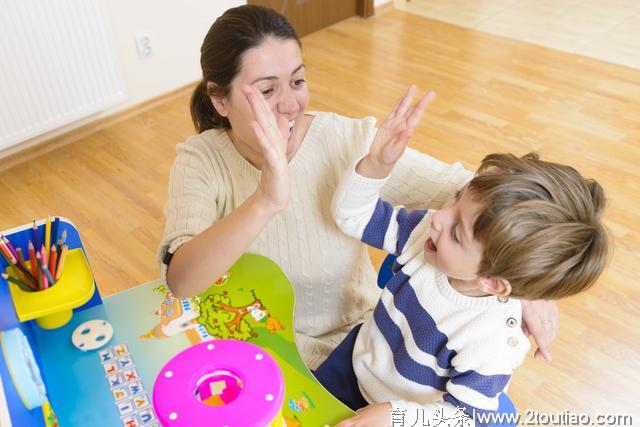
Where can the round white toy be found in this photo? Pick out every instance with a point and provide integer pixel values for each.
(92, 335)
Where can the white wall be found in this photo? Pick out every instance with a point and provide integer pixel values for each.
(177, 29)
(377, 3)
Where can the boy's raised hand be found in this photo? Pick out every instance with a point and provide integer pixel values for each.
(393, 135)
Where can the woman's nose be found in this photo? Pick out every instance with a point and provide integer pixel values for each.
(287, 103)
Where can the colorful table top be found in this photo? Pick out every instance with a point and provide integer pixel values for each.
(113, 385)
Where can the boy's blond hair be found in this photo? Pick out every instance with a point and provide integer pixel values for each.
(540, 226)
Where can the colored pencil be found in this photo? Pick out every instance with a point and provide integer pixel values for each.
(24, 274)
(47, 235)
(8, 244)
(44, 282)
(32, 260)
(61, 258)
(54, 230)
(46, 272)
(6, 252)
(19, 283)
(43, 253)
(53, 257)
(21, 258)
(64, 236)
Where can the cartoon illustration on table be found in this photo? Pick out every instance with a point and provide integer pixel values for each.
(177, 316)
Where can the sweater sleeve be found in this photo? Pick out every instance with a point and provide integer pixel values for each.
(192, 202)
(462, 388)
(361, 213)
(419, 181)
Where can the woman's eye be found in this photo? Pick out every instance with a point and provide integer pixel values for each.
(266, 92)
(299, 82)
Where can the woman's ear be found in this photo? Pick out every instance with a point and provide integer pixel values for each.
(219, 102)
(495, 286)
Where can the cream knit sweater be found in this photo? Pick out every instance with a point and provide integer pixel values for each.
(333, 279)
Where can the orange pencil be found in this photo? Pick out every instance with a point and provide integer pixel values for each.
(21, 258)
(32, 260)
(61, 258)
(52, 260)
(7, 253)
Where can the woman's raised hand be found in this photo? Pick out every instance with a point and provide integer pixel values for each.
(393, 135)
(272, 134)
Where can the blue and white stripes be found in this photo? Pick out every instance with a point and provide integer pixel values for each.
(426, 346)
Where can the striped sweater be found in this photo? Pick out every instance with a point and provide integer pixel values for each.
(427, 349)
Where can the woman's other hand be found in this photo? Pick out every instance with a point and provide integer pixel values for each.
(275, 182)
(540, 318)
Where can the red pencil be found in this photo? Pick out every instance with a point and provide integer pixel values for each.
(7, 253)
(52, 260)
(8, 245)
(32, 260)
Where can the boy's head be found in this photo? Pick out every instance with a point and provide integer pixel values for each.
(523, 226)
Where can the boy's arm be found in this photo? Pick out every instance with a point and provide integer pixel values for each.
(356, 206)
(451, 409)
(359, 212)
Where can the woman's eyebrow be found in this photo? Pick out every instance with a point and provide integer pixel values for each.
(298, 68)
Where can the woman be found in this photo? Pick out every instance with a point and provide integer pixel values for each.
(232, 192)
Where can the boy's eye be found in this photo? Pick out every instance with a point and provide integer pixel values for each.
(453, 233)
(266, 92)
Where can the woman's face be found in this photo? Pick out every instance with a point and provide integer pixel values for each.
(276, 69)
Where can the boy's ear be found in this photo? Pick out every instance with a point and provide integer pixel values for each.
(495, 286)
(219, 102)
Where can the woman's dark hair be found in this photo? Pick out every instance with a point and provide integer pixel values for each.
(231, 35)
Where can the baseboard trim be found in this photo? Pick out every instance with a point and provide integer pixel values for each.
(385, 8)
(24, 152)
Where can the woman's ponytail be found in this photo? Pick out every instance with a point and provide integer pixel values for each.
(203, 114)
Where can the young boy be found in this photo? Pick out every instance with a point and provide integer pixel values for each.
(446, 334)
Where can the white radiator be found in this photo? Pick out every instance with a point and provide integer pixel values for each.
(57, 65)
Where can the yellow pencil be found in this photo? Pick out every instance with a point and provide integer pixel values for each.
(47, 234)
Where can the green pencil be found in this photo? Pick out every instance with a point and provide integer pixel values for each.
(19, 283)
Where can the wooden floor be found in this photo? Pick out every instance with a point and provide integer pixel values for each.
(608, 30)
(494, 94)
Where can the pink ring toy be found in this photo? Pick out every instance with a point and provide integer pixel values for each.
(253, 386)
